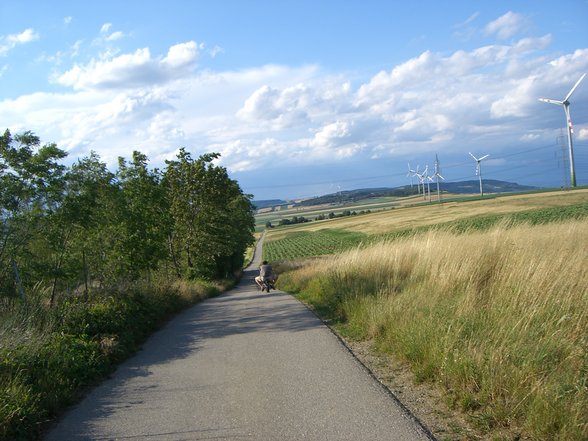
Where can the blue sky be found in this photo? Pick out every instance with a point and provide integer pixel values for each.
(303, 98)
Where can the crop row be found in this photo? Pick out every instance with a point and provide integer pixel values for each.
(314, 243)
(299, 245)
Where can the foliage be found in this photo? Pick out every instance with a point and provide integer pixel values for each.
(213, 219)
(78, 228)
(294, 220)
(43, 374)
(70, 234)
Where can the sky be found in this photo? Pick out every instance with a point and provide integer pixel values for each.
(303, 98)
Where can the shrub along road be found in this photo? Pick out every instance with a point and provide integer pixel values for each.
(242, 365)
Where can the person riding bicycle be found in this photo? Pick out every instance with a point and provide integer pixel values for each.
(266, 274)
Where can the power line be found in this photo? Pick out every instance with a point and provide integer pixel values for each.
(492, 171)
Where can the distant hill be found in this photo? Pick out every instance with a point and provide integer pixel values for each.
(268, 203)
(462, 187)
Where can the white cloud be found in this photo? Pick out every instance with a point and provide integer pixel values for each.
(530, 137)
(506, 26)
(582, 134)
(131, 70)
(105, 28)
(115, 36)
(331, 134)
(465, 30)
(181, 55)
(517, 101)
(215, 51)
(483, 97)
(67, 20)
(9, 42)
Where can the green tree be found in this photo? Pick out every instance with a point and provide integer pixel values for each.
(213, 220)
(144, 218)
(31, 190)
(91, 217)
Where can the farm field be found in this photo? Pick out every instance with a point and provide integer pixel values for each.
(311, 212)
(485, 301)
(336, 235)
(425, 215)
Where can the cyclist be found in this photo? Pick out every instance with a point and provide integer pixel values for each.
(266, 274)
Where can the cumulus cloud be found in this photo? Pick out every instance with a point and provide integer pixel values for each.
(506, 26)
(485, 96)
(9, 42)
(281, 108)
(331, 134)
(132, 70)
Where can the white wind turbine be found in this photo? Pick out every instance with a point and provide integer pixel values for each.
(411, 174)
(438, 176)
(566, 106)
(479, 170)
(423, 178)
(418, 176)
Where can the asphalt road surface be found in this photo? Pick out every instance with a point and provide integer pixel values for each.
(244, 365)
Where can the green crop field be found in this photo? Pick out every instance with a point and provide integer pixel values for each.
(334, 236)
(316, 243)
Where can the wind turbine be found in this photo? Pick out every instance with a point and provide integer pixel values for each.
(411, 173)
(479, 169)
(423, 178)
(566, 106)
(437, 175)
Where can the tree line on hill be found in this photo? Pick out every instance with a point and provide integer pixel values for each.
(301, 219)
(71, 228)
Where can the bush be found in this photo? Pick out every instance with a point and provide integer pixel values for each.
(46, 371)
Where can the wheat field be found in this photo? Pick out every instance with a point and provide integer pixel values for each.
(417, 216)
(498, 319)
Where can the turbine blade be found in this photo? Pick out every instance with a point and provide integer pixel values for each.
(547, 100)
(483, 157)
(475, 159)
(574, 88)
(439, 176)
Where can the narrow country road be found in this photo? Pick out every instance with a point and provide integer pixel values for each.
(244, 365)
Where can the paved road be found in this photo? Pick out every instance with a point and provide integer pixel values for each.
(244, 365)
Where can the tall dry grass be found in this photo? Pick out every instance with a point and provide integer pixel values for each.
(499, 318)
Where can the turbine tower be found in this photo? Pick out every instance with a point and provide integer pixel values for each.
(479, 170)
(437, 175)
(411, 173)
(566, 106)
(423, 178)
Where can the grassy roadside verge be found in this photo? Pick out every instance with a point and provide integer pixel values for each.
(49, 356)
(497, 319)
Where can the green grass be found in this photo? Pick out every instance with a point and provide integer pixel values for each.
(499, 327)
